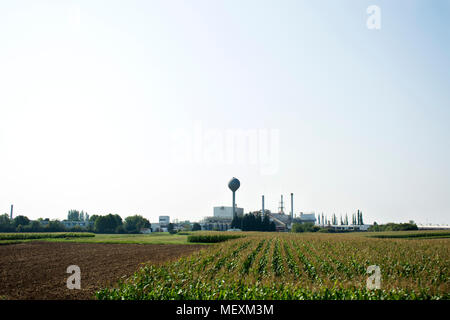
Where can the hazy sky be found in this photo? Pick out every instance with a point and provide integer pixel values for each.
(136, 107)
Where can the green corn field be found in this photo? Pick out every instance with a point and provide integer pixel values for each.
(296, 266)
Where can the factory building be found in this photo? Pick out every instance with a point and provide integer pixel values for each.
(162, 225)
(213, 223)
(306, 217)
(164, 221)
(221, 219)
(227, 212)
(362, 227)
(283, 221)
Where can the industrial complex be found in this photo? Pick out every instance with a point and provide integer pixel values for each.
(223, 215)
(222, 218)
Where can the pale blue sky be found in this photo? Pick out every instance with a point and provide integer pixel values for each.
(92, 92)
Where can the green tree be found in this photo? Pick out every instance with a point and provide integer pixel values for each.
(236, 223)
(134, 224)
(55, 226)
(196, 227)
(272, 227)
(35, 226)
(304, 227)
(117, 219)
(20, 220)
(393, 227)
(171, 228)
(4, 219)
(253, 222)
(93, 218)
(5, 224)
(108, 223)
(73, 215)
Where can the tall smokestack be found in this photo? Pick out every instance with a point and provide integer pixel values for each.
(262, 212)
(11, 214)
(292, 206)
(281, 208)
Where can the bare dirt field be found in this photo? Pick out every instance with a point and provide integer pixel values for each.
(37, 270)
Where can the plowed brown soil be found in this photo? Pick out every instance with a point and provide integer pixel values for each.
(37, 270)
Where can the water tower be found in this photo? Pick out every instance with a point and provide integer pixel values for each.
(234, 184)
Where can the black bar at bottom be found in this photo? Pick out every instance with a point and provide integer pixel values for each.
(225, 309)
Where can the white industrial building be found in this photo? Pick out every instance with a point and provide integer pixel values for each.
(162, 225)
(227, 212)
(164, 220)
(350, 227)
(221, 219)
(307, 217)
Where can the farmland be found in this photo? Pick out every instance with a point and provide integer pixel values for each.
(227, 265)
(155, 238)
(37, 269)
(297, 266)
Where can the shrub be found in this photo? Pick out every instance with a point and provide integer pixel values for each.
(394, 227)
(213, 238)
(304, 227)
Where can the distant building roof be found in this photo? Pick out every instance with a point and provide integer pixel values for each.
(307, 216)
(284, 218)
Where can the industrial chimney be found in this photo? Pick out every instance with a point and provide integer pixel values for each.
(262, 212)
(292, 206)
(281, 207)
(11, 214)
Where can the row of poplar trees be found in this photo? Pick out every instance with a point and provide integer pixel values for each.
(357, 219)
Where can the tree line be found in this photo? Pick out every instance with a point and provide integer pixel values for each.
(394, 226)
(23, 224)
(357, 219)
(75, 215)
(253, 222)
(111, 223)
(310, 227)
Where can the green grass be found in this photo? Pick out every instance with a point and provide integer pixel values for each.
(154, 238)
(46, 235)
